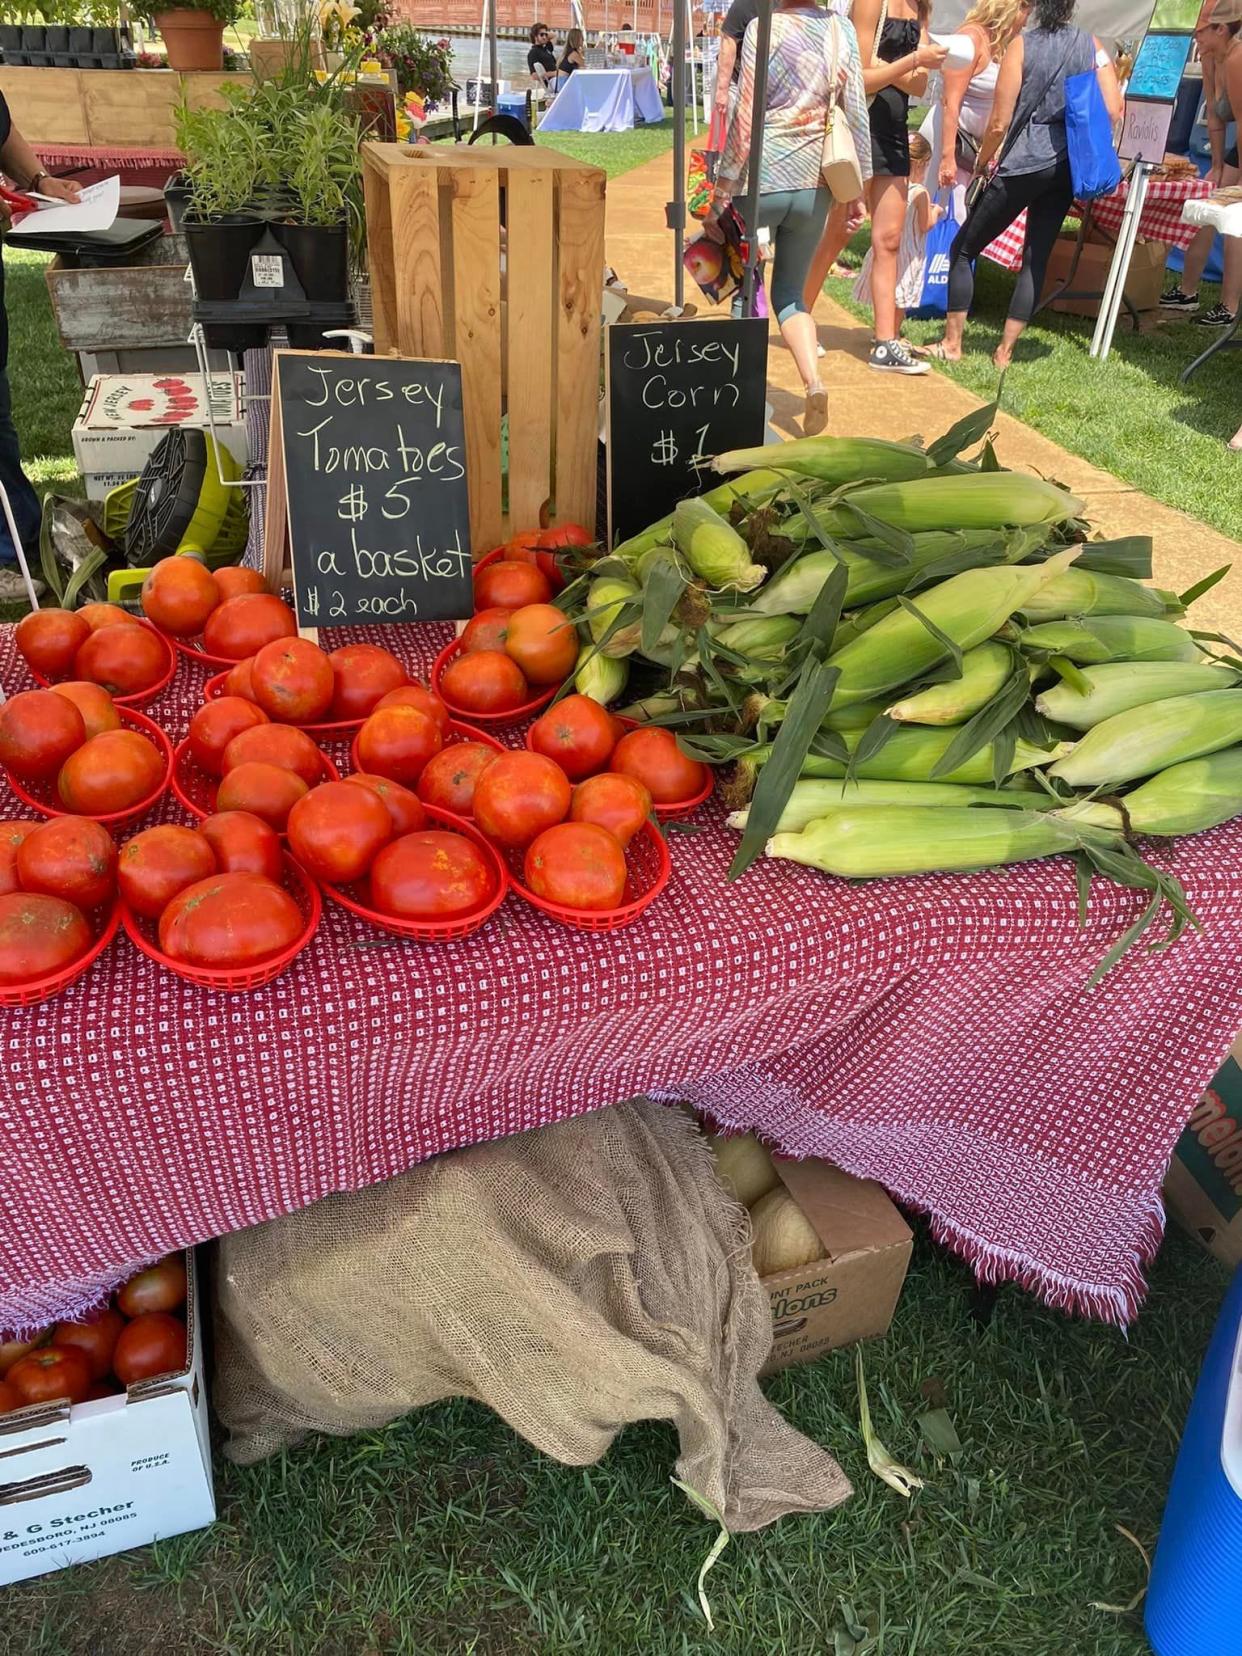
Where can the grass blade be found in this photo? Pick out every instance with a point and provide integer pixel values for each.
(807, 707)
(895, 1475)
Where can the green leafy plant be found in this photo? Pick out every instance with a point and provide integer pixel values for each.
(420, 64)
(224, 11)
(325, 170)
(224, 161)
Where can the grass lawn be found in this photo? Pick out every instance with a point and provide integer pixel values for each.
(445, 1533)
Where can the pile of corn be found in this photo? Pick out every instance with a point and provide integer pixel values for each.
(911, 662)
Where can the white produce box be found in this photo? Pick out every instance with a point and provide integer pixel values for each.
(123, 417)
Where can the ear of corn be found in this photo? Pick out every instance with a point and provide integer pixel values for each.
(912, 753)
(1117, 686)
(1113, 638)
(984, 670)
(812, 799)
(1183, 799)
(1086, 592)
(795, 587)
(763, 637)
(754, 489)
(606, 599)
(859, 843)
(1147, 739)
(833, 460)
(974, 500)
(714, 549)
(599, 676)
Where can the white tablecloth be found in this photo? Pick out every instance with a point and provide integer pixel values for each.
(604, 100)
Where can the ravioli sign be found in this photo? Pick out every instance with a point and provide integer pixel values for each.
(369, 455)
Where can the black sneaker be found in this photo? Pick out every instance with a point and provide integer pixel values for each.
(892, 356)
(1176, 300)
(1217, 317)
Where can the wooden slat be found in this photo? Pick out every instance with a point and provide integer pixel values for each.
(379, 251)
(129, 108)
(531, 309)
(46, 104)
(422, 274)
(130, 308)
(580, 281)
(476, 343)
(204, 89)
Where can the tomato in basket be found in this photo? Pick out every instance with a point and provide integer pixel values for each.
(158, 863)
(39, 935)
(485, 681)
(38, 732)
(214, 726)
(431, 875)
(276, 744)
(110, 772)
(578, 733)
(416, 695)
(12, 833)
(292, 680)
(404, 808)
(486, 631)
(70, 857)
(519, 795)
(336, 829)
(241, 626)
(98, 710)
(178, 595)
(398, 741)
(654, 757)
(508, 584)
(577, 864)
(105, 615)
(230, 920)
(544, 643)
(362, 675)
(242, 843)
(48, 640)
(124, 660)
(234, 579)
(450, 778)
(619, 803)
(267, 791)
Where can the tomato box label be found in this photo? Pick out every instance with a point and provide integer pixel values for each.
(1203, 1187)
(124, 416)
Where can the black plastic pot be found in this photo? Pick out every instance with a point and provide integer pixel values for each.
(57, 38)
(110, 60)
(219, 250)
(11, 39)
(105, 42)
(64, 60)
(17, 60)
(81, 42)
(176, 196)
(34, 37)
(320, 256)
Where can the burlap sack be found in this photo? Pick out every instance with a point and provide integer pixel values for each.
(574, 1278)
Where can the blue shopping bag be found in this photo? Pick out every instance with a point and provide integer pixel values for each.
(934, 300)
(1094, 166)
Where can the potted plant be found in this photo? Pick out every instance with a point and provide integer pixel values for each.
(193, 30)
(56, 14)
(220, 224)
(13, 33)
(323, 174)
(420, 64)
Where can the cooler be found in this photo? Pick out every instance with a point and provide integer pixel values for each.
(514, 103)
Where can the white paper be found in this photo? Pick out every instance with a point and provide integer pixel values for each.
(960, 47)
(95, 210)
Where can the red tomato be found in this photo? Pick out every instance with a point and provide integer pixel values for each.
(564, 534)
(214, 726)
(49, 639)
(238, 682)
(95, 1336)
(274, 744)
(397, 742)
(39, 935)
(508, 584)
(518, 795)
(577, 864)
(38, 732)
(449, 780)
(230, 920)
(417, 695)
(151, 1345)
(124, 660)
(292, 680)
(243, 843)
(653, 757)
(105, 615)
(11, 1349)
(486, 631)
(93, 702)
(241, 626)
(526, 549)
(111, 772)
(405, 812)
(266, 791)
(362, 675)
(178, 595)
(158, 863)
(234, 579)
(431, 874)
(336, 829)
(160, 1287)
(619, 803)
(543, 642)
(51, 1374)
(9, 1399)
(12, 833)
(485, 681)
(70, 857)
(577, 733)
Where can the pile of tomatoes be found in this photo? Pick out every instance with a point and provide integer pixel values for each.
(71, 739)
(139, 1336)
(229, 610)
(53, 875)
(585, 740)
(88, 647)
(260, 767)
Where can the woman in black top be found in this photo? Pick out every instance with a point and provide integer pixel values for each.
(541, 59)
(575, 53)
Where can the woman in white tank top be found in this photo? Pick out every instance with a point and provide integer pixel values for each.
(965, 100)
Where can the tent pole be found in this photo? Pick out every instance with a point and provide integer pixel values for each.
(474, 124)
(677, 207)
(763, 40)
(493, 56)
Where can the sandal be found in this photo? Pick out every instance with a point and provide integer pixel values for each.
(815, 414)
(935, 351)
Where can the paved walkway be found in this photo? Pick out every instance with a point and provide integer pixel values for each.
(640, 250)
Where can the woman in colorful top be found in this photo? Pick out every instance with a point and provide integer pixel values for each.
(793, 198)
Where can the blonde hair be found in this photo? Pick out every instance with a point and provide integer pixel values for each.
(920, 149)
(998, 19)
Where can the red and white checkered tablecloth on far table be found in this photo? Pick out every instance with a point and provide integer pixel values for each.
(1161, 220)
(935, 1034)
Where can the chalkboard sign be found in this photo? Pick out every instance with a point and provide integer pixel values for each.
(678, 393)
(367, 469)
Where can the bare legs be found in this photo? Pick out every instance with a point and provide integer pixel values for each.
(887, 197)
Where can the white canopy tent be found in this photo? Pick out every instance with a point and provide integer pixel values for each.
(1111, 20)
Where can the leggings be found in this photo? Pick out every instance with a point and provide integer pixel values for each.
(796, 219)
(1046, 196)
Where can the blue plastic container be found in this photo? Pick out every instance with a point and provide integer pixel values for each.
(1194, 1600)
(513, 103)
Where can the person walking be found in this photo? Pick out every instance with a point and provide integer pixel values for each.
(1027, 125)
(921, 215)
(813, 67)
(955, 126)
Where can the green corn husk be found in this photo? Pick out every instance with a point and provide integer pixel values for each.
(834, 460)
(714, 549)
(1117, 686)
(973, 500)
(756, 488)
(795, 587)
(651, 708)
(909, 755)
(1148, 739)
(599, 676)
(867, 843)
(651, 558)
(1084, 592)
(812, 799)
(606, 598)
(772, 710)
(967, 608)
(984, 670)
(1113, 638)
(765, 637)
(1184, 799)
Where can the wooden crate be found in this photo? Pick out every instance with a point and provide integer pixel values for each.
(520, 312)
(142, 306)
(108, 108)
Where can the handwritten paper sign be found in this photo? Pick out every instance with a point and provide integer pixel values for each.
(367, 469)
(1145, 132)
(677, 393)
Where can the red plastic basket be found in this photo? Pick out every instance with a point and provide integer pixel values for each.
(512, 716)
(648, 867)
(42, 796)
(143, 934)
(214, 689)
(192, 649)
(431, 931)
(676, 807)
(104, 922)
(194, 789)
(140, 698)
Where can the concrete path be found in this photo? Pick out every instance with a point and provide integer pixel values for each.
(864, 404)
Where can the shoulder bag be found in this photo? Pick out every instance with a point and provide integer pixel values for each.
(838, 163)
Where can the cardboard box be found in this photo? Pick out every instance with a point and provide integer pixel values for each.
(83, 1482)
(1203, 1187)
(851, 1293)
(1144, 280)
(123, 417)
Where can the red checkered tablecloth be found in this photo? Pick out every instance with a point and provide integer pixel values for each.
(1161, 220)
(936, 1034)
